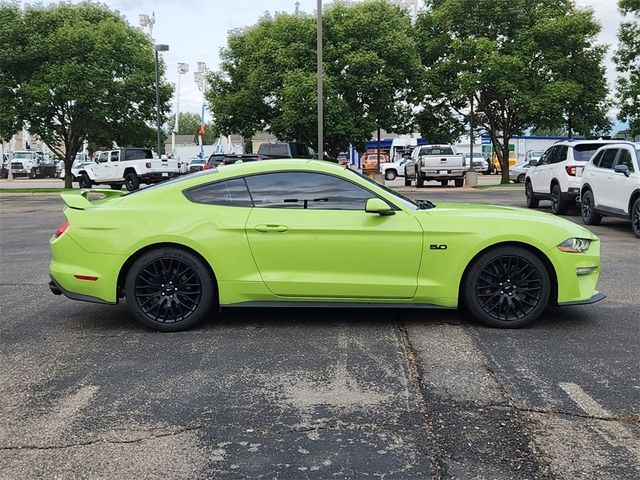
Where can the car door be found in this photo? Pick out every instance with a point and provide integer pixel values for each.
(622, 186)
(604, 185)
(311, 237)
(101, 168)
(541, 174)
(114, 165)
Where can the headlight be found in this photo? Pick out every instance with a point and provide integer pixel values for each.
(575, 245)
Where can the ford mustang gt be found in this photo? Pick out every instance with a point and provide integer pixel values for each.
(301, 233)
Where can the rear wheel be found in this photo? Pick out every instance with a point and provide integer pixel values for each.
(84, 181)
(521, 178)
(169, 289)
(635, 217)
(390, 175)
(419, 182)
(507, 287)
(588, 209)
(444, 183)
(459, 182)
(131, 181)
(532, 201)
(558, 205)
(407, 182)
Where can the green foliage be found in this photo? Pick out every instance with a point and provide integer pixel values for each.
(527, 63)
(627, 59)
(76, 72)
(188, 124)
(268, 77)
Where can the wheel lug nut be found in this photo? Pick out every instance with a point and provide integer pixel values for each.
(163, 285)
(163, 294)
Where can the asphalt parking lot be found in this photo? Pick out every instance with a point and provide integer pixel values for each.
(87, 393)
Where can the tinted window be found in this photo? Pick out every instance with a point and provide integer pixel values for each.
(299, 150)
(436, 151)
(547, 157)
(608, 157)
(306, 190)
(597, 158)
(230, 193)
(561, 156)
(625, 159)
(279, 150)
(137, 153)
(583, 152)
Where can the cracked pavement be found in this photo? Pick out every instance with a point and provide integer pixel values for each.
(302, 393)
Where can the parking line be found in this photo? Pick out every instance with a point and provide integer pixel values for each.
(584, 401)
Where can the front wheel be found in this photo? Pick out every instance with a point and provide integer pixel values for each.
(407, 182)
(459, 182)
(444, 183)
(390, 175)
(169, 290)
(506, 287)
(521, 178)
(635, 217)
(419, 182)
(532, 201)
(588, 209)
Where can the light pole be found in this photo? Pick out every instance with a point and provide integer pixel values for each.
(148, 21)
(200, 78)
(319, 74)
(182, 69)
(158, 48)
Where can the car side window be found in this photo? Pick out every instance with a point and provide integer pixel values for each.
(546, 156)
(228, 193)
(625, 159)
(608, 158)
(104, 156)
(115, 155)
(313, 191)
(561, 156)
(597, 158)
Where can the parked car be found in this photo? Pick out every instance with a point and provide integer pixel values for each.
(611, 185)
(518, 174)
(343, 158)
(285, 150)
(369, 160)
(127, 166)
(214, 160)
(435, 162)
(533, 155)
(391, 170)
(196, 165)
(230, 159)
(495, 162)
(31, 164)
(556, 177)
(80, 159)
(290, 233)
(479, 164)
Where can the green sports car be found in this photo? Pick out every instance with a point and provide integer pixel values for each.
(310, 233)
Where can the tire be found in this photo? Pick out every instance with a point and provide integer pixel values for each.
(459, 182)
(558, 206)
(131, 181)
(32, 174)
(407, 182)
(444, 183)
(390, 175)
(506, 287)
(84, 181)
(532, 201)
(150, 287)
(419, 182)
(635, 217)
(115, 186)
(588, 209)
(521, 178)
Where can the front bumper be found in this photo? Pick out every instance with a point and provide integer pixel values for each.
(577, 275)
(595, 298)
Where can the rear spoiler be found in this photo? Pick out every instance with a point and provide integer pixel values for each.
(79, 200)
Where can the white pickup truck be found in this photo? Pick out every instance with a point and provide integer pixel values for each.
(127, 166)
(435, 162)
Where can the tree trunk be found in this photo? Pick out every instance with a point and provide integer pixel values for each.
(68, 163)
(504, 162)
(378, 162)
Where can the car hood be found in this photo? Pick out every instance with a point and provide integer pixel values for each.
(463, 215)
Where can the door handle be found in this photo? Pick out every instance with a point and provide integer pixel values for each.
(272, 228)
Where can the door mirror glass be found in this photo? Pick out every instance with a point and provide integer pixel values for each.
(622, 169)
(376, 205)
(533, 162)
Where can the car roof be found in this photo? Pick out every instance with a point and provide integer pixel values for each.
(635, 145)
(573, 143)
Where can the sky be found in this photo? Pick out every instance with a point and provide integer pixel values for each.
(196, 31)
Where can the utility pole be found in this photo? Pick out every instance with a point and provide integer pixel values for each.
(319, 74)
(182, 69)
(158, 48)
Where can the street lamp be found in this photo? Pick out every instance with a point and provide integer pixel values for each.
(158, 48)
(148, 21)
(182, 69)
(319, 74)
(200, 77)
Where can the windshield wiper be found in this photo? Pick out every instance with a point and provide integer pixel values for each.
(424, 204)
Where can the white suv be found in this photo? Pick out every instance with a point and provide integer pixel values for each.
(555, 176)
(611, 185)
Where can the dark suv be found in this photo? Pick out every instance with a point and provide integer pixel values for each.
(285, 150)
(216, 159)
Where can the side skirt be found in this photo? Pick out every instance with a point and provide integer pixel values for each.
(285, 304)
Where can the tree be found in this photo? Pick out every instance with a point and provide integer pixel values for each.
(188, 124)
(526, 63)
(77, 72)
(627, 60)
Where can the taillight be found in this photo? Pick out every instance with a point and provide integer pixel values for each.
(571, 170)
(258, 158)
(206, 166)
(148, 164)
(61, 229)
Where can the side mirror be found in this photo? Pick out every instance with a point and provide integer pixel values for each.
(376, 205)
(624, 169)
(533, 162)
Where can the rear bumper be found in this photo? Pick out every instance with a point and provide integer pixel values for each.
(57, 289)
(442, 173)
(157, 176)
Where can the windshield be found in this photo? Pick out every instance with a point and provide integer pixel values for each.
(173, 181)
(537, 154)
(23, 155)
(407, 202)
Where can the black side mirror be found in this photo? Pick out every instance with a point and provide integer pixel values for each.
(622, 169)
(533, 162)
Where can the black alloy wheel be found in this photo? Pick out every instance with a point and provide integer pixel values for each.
(558, 206)
(635, 217)
(532, 201)
(84, 181)
(131, 181)
(507, 287)
(169, 289)
(588, 209)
